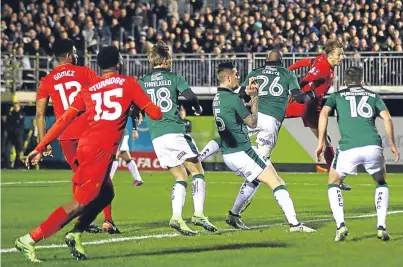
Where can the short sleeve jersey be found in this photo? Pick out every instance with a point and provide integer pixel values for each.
(229, 112)
(164, 88)
(275, 84)
(357, 109)
(62, 85)
(321, 75)
(108, 102)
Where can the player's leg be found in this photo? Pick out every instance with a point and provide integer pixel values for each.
(211, 148)
(329, 157)
(374, 164)
(178, 197)
(69, 148)
(56, 221)
(115, 165)
(199, 194)
(131, 165)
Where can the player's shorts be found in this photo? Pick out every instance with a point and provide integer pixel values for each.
(267, 130)
(174, 149)
(295, 110)
(124, 142)
(310, 118)
(69, 148)
(93, 170)
(371, 157)
(247, 164)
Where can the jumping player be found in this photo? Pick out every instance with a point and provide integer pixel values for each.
(319, 80)
(360, 144)
(107, 102)
(175, 150)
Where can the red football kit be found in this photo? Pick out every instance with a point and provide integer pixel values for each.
(107, 103)
(319, 79)
(62, 85)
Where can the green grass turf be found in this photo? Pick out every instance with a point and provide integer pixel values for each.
(146, 210)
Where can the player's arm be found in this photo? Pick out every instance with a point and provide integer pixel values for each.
(389, 127)
(251, 119)
(295, 90)
(322, 125)
(316, 76)
(41, 105)
(244, 86)
(184, 88)
(306, 62)
(142, 101)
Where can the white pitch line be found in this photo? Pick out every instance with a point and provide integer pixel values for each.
(170, 235)
(37, 182)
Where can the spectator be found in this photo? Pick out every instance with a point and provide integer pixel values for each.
(15, 134)
(173, 10)
(160, 11)
(104, 33)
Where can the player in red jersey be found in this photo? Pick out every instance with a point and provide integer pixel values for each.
(107, 102)
(319, 79)
(62, 85)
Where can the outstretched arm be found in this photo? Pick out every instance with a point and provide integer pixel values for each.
(190, 96)
(322, 126)
(387, 120)
(306, 62)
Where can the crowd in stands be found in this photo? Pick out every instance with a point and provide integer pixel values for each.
(31, 26)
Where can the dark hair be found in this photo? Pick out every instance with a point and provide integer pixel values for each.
(108, 57)
(353, 75)
(223, 67)
(62, 47)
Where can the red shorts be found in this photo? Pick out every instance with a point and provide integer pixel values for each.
(69, 148)
(91, 173)
(311, 114)
(295, 110)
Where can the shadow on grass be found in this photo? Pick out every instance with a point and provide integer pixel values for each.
(393, 237)
(186, 250)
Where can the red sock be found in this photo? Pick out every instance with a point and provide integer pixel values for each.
(52, 224)
(108, 213)
(329, 155)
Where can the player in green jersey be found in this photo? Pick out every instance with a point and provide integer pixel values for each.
(175, 150)
(360, 144)
(232, 119)
(276, 85)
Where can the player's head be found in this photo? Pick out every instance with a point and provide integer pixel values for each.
(160, 56)
(275, 56)
(182, 112)
(109, 59)
(334, 51)
(228, 75)
(353, 76)
(64, 51)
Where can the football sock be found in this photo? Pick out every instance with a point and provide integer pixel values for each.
(211, 148)
(336, 203)
(51, 225)
(114, 167)
(381, 203)
(246, 191)
(178, 197)
(134, 170)
(285, 202)
(198, 194)
(108, 213)
(329, 155)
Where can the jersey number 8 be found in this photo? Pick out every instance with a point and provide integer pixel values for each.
(105, 98)
(162, 98)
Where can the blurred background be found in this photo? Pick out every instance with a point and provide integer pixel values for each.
(201, 33)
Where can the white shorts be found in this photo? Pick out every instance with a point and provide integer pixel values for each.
(124, 142)
(371, 157)
(174, 149)
(267, 130)
(248, 164)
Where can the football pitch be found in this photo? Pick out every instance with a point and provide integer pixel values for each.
(142, 214)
